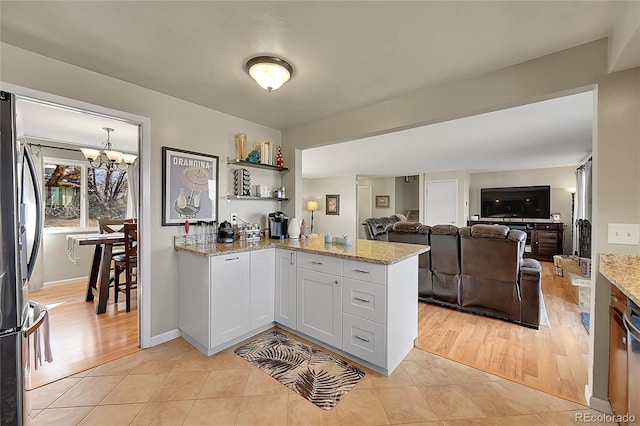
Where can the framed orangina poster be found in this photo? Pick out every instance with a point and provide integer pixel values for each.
(189, 186)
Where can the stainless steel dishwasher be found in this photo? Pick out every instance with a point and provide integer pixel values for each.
(632, 324)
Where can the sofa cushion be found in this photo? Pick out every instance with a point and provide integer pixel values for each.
(444, 230)
(489, 231)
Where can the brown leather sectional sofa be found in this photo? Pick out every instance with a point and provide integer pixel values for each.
(375, 228)
(477, 269)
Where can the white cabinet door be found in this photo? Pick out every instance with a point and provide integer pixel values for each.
(285, 303)
(319, 307)
(230, 282)
(262, 287)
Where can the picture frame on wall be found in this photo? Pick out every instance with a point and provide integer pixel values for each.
(382, 201)
(189, 186)
(332, 206)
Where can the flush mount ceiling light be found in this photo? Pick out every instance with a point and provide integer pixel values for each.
(270, 72)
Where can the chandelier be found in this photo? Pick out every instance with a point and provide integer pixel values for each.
(108, 159)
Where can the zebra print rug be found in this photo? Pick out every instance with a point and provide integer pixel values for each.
(312, 373)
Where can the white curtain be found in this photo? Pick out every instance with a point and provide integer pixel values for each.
(37, 277)
(133, 190)
(583, 198)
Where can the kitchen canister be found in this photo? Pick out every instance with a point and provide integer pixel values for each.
(293, 229)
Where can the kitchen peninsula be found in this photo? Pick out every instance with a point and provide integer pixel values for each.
(360, 300)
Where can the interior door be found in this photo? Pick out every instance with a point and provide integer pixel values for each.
(441, 202)
(364, 209)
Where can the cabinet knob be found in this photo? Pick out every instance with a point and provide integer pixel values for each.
(336, 282)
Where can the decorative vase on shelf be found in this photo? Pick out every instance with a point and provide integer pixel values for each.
(293, 229)
(303, 229)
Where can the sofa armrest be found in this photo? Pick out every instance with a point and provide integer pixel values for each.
(530, 292)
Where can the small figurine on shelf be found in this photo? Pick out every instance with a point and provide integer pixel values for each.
(254, 156)
(279, 158)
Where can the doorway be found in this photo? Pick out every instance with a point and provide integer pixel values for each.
(80, 338)
(364, 209)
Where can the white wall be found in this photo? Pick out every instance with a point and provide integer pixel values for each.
(559, 178)
(616, 198)
(381, 186)
(174, 123)
(616, 155)
(338, 225)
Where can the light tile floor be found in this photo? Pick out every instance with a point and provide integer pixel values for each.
(174, 384)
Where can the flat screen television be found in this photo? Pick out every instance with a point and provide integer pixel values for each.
(531, 202)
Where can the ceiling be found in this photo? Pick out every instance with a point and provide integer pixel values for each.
(346, 55)
(551, 133)
(70, 126)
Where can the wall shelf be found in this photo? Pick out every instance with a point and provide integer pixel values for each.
(242, 163)
(250, 197)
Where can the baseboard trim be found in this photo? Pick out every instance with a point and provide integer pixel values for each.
(597, 404)
(63, 282)
(165, 337)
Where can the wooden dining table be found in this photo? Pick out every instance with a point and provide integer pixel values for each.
(101, 264)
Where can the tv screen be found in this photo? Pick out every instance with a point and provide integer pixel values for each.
(531, 202)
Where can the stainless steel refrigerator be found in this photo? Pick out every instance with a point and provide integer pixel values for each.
(20, 236)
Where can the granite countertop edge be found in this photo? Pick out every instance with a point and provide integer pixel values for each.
(219, 249)
(623, 271)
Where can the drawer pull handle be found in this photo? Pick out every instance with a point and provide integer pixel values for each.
(231, 258)
(362, 300)
(362, 271)
(316, 263)
(361, 338)
(291, 259)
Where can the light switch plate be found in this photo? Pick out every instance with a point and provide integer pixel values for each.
(623, 233)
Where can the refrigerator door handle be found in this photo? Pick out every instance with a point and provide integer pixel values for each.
(38, 201)
(37, 322)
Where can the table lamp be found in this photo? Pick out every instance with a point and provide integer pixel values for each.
(312, 205)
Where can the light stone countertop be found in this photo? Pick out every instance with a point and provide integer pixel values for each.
(382, 252)
(623, 270)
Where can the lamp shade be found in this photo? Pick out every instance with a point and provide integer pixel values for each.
(90, 154)
(312, 205)
(129, 158)
(269, 72)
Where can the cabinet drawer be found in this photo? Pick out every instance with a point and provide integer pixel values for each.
(618, 299)
(320, 263)
(365, 271)
(548, 226)
(365, 300)
(364, 339)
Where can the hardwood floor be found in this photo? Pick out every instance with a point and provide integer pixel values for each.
(552, 359)
(80, 339)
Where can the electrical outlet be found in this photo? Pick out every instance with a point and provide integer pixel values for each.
(234, 218)
(623, 233)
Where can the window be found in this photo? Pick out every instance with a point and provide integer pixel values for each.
(107, 195)
(62, 190)
(76, 196)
